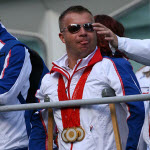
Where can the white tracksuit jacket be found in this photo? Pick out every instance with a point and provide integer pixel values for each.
(95, 119)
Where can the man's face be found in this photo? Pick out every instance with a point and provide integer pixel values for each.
(81, 43)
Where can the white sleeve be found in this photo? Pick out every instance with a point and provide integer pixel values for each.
(41, 93)
(135, 49)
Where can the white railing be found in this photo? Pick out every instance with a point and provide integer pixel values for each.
(105, 100)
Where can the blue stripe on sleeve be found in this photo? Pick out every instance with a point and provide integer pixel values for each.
(13, 70)
(38, 134)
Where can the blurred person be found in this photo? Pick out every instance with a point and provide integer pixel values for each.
(143, 76)
(21, 70)
(82, 73)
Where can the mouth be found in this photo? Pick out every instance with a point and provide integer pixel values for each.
(84, 42)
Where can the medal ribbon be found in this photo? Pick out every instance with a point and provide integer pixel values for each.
(71, 116)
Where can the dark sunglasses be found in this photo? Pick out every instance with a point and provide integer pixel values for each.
(74, 28)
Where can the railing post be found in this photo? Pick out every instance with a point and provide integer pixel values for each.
(109, 92)
(50, 124)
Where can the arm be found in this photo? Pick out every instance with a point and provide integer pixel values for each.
(137, 50)
(15, 74)
(125, 83)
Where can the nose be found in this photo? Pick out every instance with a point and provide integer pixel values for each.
(83, 32)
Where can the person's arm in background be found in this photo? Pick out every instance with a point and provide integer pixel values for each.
(15, 74)
(135, 49)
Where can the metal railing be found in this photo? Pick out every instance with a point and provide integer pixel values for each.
(75, 103)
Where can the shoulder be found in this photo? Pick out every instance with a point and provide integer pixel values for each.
(19, 55)
(110, 65)
(19, 49)
(49, 80)
(143, 72)
(139, 72)
(18, 52)
(117, 60)
(119, 63)
(114, 67)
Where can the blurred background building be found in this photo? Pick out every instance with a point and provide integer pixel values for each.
(35, 22)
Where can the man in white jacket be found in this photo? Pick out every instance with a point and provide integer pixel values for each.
(82, 73)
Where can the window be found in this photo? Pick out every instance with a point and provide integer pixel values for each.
(137, 25)
(34, 43)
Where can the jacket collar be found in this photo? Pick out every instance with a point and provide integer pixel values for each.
(61, 65)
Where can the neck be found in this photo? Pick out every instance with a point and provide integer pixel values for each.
(72, 62)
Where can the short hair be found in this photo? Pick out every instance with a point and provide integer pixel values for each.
(72, 9)
(114, 26)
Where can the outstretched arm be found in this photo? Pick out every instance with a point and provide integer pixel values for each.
(135, 49)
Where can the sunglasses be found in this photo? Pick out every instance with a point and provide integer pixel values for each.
(74, 28)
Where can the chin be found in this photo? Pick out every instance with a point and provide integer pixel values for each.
(85, 52)
(84, 48)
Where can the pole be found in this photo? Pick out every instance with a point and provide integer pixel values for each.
(108, 92)
(50, 125)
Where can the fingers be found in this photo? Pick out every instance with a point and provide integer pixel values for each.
(103, 32)
(101, 29)
(98, 25)
(107, 33)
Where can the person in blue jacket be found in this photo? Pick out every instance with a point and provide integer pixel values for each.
(21, 71)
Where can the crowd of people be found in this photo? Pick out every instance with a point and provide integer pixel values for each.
(96, 58)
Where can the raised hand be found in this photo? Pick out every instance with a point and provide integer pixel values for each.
(109, 35)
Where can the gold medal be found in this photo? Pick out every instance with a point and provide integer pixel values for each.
(71, 134)
(81, 133)
(63, 136)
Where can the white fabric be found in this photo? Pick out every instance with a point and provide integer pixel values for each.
(135, 49)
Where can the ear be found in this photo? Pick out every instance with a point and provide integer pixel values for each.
(61, 36)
